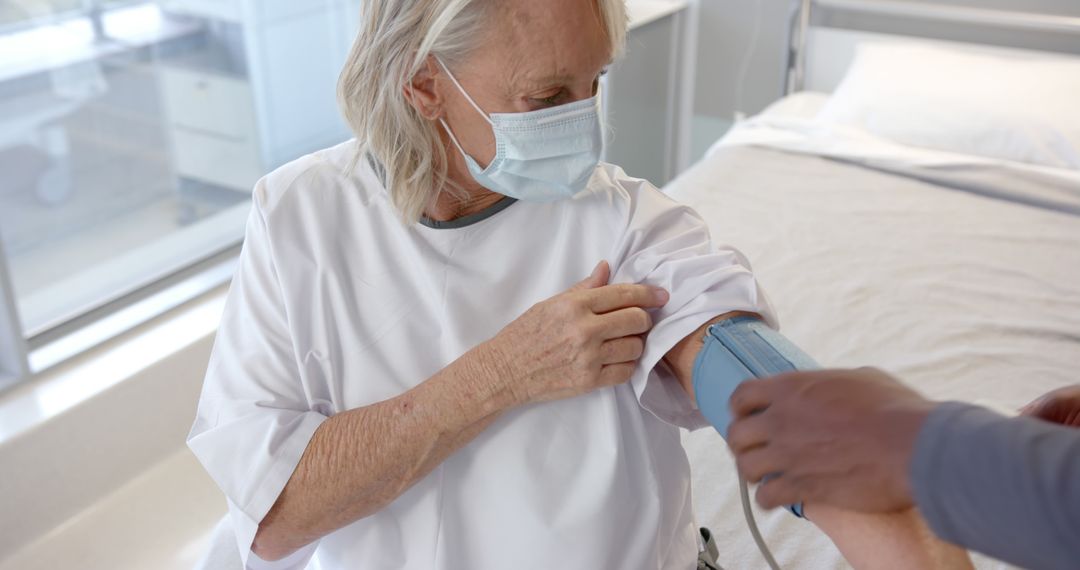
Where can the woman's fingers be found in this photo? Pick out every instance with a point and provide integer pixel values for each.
(619, 350)
(598, 278)
(624, 322)
(614, 297)
(592, 323)
(613, 374)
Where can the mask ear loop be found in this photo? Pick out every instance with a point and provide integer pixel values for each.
(457, 84)
(453, 139)
(463, 92)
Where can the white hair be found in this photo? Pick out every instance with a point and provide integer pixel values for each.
(396, 37)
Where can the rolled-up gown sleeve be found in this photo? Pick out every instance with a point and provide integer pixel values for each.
(1006, 487)
(667, 244)
(253, 421)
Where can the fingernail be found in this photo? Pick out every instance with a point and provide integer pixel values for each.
(661, 295)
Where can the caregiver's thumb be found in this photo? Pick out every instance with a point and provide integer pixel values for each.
(598, 278)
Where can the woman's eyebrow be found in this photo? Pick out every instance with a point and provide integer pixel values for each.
(537, 82)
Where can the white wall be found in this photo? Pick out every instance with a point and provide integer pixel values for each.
(724, 41)
(730, 50)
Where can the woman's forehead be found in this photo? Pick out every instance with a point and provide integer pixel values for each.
(541, 43)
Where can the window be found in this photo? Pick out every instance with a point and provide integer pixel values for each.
(131, 135)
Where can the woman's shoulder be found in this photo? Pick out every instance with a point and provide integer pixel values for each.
(330, 179)
(630, 196)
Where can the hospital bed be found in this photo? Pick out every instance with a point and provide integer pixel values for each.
(913, 204)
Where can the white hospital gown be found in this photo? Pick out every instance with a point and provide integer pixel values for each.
(337, 305)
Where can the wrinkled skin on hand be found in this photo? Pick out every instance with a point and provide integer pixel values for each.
(584, 339)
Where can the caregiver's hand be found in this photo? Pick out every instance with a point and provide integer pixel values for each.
(1062, 406)
(586, 338)
(837, 437)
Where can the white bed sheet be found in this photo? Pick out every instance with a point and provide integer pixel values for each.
(964, 295)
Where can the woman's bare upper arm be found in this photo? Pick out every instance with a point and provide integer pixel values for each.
(681, 357)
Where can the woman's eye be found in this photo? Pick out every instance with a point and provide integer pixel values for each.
(549, 100)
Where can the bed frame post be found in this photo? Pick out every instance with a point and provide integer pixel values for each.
(797, 35)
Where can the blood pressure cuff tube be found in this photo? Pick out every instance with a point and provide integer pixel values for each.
(737, 350)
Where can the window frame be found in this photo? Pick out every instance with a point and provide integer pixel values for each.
(23, 357)
(97, 326)
(32, 352)
(14, 351)
(26, 354)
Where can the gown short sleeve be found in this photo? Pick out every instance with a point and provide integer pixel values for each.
(667, 244)
(254, 421)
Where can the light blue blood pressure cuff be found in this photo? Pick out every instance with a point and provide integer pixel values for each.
(737, 350)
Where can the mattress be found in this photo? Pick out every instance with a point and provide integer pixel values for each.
(962, 279)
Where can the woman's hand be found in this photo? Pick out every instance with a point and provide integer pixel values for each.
(573, 343)
(1062, 406)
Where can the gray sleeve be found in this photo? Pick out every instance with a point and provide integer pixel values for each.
(1006, 487)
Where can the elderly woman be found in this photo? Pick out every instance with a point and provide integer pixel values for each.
(411, 372)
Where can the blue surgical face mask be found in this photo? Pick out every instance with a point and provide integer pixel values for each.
(540, 156)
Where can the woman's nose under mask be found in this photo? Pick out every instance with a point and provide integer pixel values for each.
(540, 156)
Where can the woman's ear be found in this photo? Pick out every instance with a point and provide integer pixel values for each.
(421, 92)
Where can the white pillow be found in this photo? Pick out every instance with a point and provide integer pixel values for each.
(994, 106)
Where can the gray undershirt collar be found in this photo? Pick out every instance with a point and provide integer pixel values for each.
(461, 222)
(471, 218)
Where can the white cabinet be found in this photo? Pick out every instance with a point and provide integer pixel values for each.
(217, 160)
(207, 102)
(264, 90)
